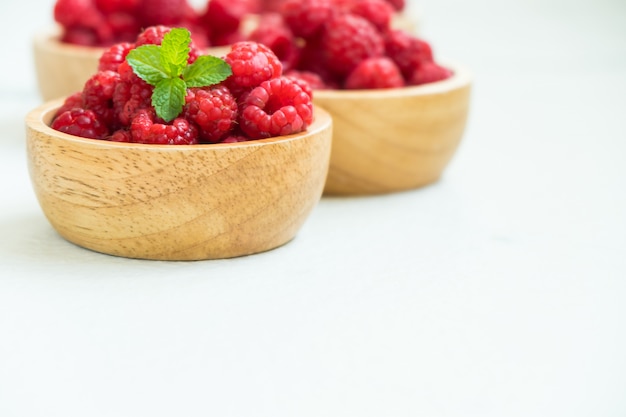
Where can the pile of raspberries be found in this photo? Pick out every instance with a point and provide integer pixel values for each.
(106, 22)
(347, 44)
(257, 101)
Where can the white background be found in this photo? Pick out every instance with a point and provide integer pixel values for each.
(500, 291)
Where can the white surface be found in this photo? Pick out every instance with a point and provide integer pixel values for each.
(497, 292)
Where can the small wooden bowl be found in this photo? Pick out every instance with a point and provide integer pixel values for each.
(62, 69)
(188, 202)
(392, 140)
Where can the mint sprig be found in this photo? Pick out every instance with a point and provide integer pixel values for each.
(165, 67)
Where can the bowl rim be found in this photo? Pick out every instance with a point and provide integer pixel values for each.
(38, 118)
(461, 77)
(50, 40)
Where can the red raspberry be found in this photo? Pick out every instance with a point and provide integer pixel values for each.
(161, 12)
(98, 95)
(131, 95)
(213, 109)
(398, 5)
(251, 64)
(114, 6)
(153, 35)
(144, 129)
(111, 59)
(72, 102)
(377, 12)
(375, 73)
(121, 135)
(429, 72)
(312, 60)
(80, 122)
(274, 33)
(223, 17)
(302, 83)
(305, 18)
(407, 51)
(312, 80)
(80, 36)
(77, 13)
(277, 107)
(347, 40)
(124, 26)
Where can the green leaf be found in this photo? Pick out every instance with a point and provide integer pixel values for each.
(168, 98)
(175, 51)
(146, 63)
(206, 70)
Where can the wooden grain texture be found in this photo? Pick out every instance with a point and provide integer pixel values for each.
(177, 202)
(393, 140)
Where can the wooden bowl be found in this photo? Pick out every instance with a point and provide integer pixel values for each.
(62, 69)
(392, 140)
(187, 202)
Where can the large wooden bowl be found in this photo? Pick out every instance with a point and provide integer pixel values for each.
(187, 202)
(62, 69)
(394, 139)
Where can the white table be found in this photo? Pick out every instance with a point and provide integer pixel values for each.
(499, 291)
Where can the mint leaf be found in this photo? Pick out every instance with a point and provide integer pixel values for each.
(146, 63)
(175, 51)
(163, 65)
(206, 70)
(168, 98)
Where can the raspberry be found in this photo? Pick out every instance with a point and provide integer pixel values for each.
(80, 36)
(274, 33)
(124, 26)
(347, 40)
(398, 5)
(111, 59)
(312, 80)
(223, 17)
(301, 79)
(71, 102)
(131, 95)
(80, 122)
(161, 12)
(114, 6)
(407, 51)
(251, 63)
(306, 18)
(429, 72)
(121, 135)
(213, 110)
(377, 12)
(375, 73)
(144, 129)
(276, 107)
(75, 13)
(153, 35)
(98, 95)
